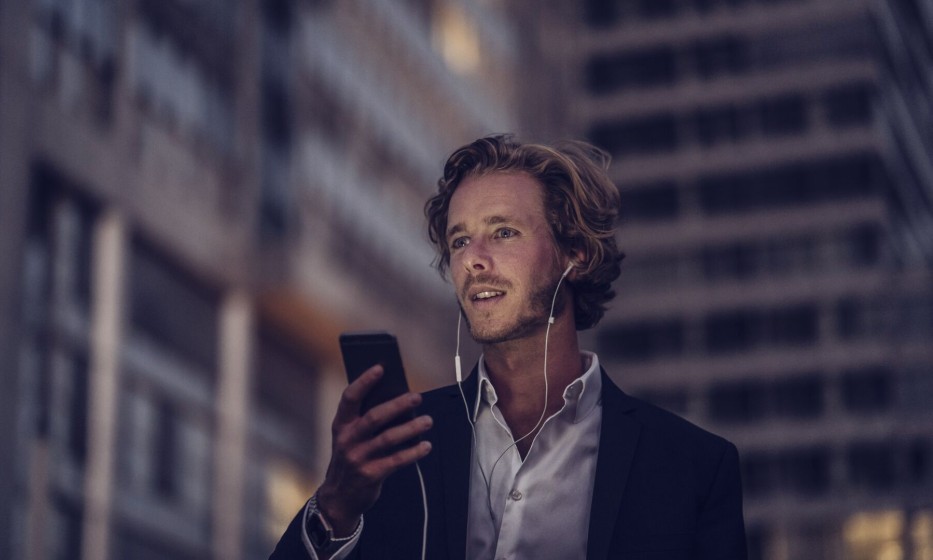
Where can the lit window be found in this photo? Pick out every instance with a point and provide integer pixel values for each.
(456, 38)
(871, 535)
(922, 535)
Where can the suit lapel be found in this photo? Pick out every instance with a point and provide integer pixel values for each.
(455, 444)
(618, 436)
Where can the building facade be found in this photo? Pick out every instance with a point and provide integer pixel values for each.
(195, 199)
(773, 292)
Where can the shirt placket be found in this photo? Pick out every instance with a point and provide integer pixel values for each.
(516, 501)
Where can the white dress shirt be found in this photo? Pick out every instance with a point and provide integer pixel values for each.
(537, 508)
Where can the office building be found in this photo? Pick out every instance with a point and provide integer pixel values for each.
(773, 158)
(195, 199)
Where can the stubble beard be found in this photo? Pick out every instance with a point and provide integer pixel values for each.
(531, 317)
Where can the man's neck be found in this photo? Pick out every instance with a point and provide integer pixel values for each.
(516, 369)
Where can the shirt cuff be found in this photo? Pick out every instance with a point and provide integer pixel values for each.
(339, 554)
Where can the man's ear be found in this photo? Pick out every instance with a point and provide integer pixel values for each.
(579, 261)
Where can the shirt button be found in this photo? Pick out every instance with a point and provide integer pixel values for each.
(515, 495)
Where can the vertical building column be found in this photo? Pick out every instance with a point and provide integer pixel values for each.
(16, 147)
(236, 327)
(109, 266)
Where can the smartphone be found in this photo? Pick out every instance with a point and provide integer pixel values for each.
(363, 350)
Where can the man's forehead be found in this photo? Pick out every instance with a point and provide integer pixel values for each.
(495, 198)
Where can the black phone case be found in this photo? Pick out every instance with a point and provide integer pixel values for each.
(363, 350)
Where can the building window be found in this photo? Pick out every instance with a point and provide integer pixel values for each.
(915, 388)
(732, 331)
(838, 39)
(659, 201)
(73, 52)
(642, 340)
(738, 401)
(858, 318)
(642, 135)
(165, 437)
(77, 408)
(736, 261)
(744, 329)
(281, 459)
(715, 125)
(793, 326)
(185, 80)
(783, 115)
(173, 308)
(805, 471)
(867, 391)
(726, 55)
(658, 9)
(65, 530)
(811, 182)
(653, 67)
(758, 475)
(863, 244)
(871, 465)
(56, 303)
(799, 397)
(919, 461)
(165, 451)
(601, 13)
(790, 255)
(850, 319)
(848, 105)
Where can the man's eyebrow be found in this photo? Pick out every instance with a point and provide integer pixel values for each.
(490, 221)
(454, 229)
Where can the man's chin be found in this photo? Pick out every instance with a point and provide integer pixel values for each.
(486, 335)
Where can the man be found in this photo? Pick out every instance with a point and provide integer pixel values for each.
(541, 455)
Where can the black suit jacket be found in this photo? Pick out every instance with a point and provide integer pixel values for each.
(664, 489)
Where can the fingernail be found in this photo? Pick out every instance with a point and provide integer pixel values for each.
(427, 421)
(415, 398)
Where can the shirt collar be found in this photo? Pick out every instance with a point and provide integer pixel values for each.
(581, 396)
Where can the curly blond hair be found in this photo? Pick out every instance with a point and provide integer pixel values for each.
(581, 202)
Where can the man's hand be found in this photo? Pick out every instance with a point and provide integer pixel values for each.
(359, 463)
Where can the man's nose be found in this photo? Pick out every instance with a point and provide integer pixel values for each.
(476, 256)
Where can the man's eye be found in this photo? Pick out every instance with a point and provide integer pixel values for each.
(459, 242)
(506, 233)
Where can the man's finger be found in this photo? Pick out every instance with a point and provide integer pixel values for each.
(397, 435)
(380, 469)
(352, 397)
(381, 415)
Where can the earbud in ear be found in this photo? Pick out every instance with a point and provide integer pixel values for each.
(569, 268)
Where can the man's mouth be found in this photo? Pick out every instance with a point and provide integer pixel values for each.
(487, 295)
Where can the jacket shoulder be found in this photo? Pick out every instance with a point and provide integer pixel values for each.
(662, 425)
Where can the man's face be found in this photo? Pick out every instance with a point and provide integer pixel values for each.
(503, 260)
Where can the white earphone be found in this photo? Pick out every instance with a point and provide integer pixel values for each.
(457, 370)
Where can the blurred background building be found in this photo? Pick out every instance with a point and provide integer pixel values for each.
(774, 162)
(197, 197)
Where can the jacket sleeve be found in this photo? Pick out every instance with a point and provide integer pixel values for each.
(720, 526)
(290, 545)
(294, 546)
